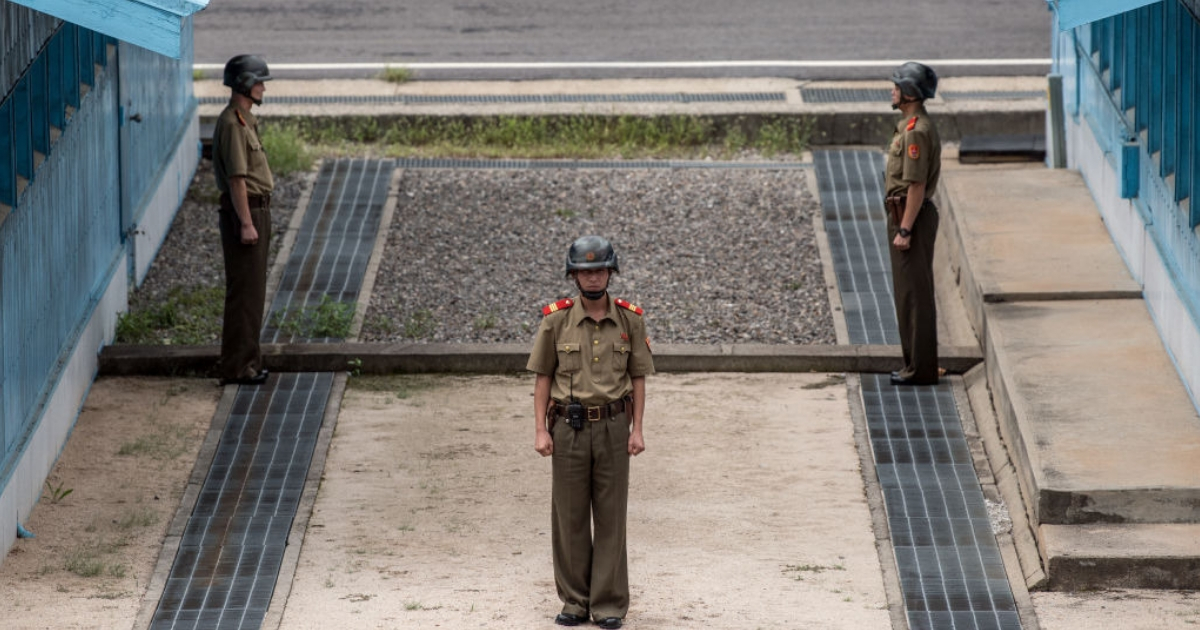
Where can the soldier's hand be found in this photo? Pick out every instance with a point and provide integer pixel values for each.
(249, 234)
(902, 242)
(637, 445)
(543, 443)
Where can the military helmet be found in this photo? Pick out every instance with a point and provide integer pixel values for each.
(591, 252)
(244, 71)
(915, 80)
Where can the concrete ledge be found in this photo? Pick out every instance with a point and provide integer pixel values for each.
(1093, 412)
(379, 358)
(1122, 556)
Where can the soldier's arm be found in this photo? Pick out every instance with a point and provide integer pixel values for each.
(241, 205)
(637, 443)
(542, 442)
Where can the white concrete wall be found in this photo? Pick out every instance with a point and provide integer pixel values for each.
(1127, 227)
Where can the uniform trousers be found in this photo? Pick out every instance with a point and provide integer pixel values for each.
(589, 502)
(916, 303)
(245, 292)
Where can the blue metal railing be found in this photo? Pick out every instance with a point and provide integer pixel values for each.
(1137, 84)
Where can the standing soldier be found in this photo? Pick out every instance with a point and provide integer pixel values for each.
(591, 357)
(914, 161)
(244, 179)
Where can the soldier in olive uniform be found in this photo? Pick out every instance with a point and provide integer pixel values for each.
(914, 161)
(244, 179)
(591, 357)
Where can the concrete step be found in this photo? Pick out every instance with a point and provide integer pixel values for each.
(1093, 412)
(1084, 557)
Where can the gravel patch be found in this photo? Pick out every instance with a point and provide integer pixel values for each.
(190, 257)
(713, 256)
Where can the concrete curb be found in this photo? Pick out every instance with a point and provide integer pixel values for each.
(412, 358)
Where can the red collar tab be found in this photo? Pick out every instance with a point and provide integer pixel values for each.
(912, 122)
(558, 306)
(627, 306)
(240, 119)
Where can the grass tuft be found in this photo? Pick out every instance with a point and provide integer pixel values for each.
(328, 319)
(577, 136)
(287, 149)
(395, 74)
(189, 316)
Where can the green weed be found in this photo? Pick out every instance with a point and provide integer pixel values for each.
(143, 517)
(57, 493)
(486, 321)
(420, 324)
(189, 316)
(328, 319)
(572, 136)
(395, 74)
(286, 149)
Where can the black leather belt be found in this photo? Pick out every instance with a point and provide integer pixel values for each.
(597, 413)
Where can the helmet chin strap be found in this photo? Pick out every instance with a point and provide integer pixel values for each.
(591, 295)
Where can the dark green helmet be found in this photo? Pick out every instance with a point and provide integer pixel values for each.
(591, 252)
(915, 80)
(244, 71)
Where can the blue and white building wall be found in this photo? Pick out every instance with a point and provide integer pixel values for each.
(1131, 93)
(98, 142)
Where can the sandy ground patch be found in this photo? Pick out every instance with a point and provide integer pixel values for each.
(126, 465)
(746, 511)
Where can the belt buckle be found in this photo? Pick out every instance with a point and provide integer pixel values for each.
(593, 414)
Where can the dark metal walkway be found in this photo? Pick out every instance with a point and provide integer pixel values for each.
(950, 568)
(232, 548)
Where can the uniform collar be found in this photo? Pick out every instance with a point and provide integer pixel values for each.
(578, 312)
(245, 113)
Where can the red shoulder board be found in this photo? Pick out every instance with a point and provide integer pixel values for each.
(626, 305)
(912, 122)
(558, 306)
(240, 119)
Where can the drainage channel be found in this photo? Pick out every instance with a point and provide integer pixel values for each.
(951, 572)
(232, 549)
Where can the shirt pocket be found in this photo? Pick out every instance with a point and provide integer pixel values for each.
(621, 352)
(570, 357)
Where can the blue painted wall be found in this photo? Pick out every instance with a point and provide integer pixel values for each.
(1134, 79)
(76, 172)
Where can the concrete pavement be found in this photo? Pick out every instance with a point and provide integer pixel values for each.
(1086, 424)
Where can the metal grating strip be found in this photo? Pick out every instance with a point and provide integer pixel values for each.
(233, 544)
(951, 572)
(333, 246)
(850, 184)
(846, 95)
(538, 99)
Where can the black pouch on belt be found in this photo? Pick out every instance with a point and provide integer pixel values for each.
(576, 414)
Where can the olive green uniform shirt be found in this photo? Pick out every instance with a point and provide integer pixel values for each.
(914, 156)
(595, 361)
(238, 152)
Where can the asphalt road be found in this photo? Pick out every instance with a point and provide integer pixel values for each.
(473, 32)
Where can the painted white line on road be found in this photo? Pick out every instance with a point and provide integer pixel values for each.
(573, 65)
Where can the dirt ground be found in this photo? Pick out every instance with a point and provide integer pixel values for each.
(106, 506)
(746, 511)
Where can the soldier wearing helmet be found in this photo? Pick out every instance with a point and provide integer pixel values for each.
(244, 179)
(591, 357)
(914, 160)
